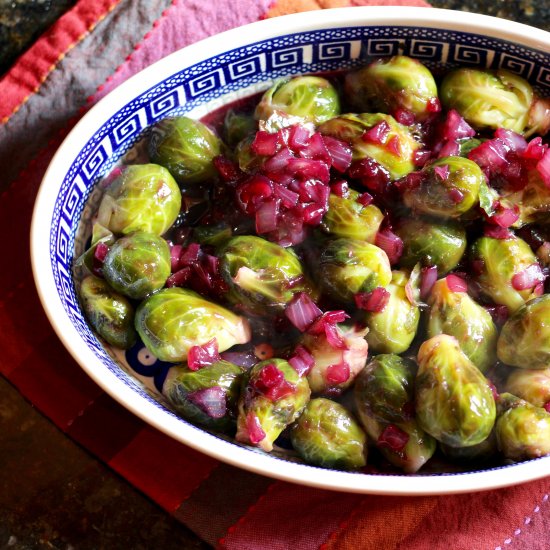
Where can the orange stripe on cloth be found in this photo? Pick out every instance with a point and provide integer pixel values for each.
(34, 66)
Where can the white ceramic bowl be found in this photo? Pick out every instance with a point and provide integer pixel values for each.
(207, 75)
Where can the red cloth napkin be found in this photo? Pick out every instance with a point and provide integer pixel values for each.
(87, 53)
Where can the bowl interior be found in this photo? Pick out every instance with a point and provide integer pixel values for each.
(204, 77)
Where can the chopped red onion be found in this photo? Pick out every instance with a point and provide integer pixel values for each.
(212, 401)
(535, 150)
(228, 170)
(202, 356)
(456, 195)
(179, 278)
(298, 137)
(266, 216)
(313, 214)
(497, 232)
(499, 313)
(433, 105)
(340, 188)
(377, 134)
(394, 145)
(546, 407)
(302, 311)
(372, 174)
(279, 161)
(456, 283)
(338, 374)
(514, 141)
(428, 277)
(316, 149)
(404, 117)
(271, 383)
(442, 172)
(365, 199)
(309, 168)
(543, 168)
(455, 127)
(301, 361)
(245, 359)
(175, 253)
(100, 252)
(253, 191)
(393, 438)
(254, 429)
(374, 301)
(265, 143)
(449, 149)
(288, 198)
(421, 157)
(505, 217)
(528, 278)
(340, 153)
(390, 243)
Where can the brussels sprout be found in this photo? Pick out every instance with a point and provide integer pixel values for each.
(393, 329)
(390, 84)
(384, 401)
(144, 197)
(349, 266)
(454, 402)
(110, 314)
(533, 201)
(137, 264)
(346, 217)
(334, 369)
(208, 396)
(393, 146)
(431, 242)
(237, 126)
(456, 314)
(533, 385)
(212, 235)
(492, 100)
(327, 435)
(446, 188)
(523, 430)
(173, 320)
(186, 147)
(524, 340)
(262, 276)
(303, 98)
(498, 261)
(274, 397)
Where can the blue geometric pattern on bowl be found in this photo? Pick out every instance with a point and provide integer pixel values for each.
(238, 69)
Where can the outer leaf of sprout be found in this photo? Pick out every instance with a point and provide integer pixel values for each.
(349, 266)
(327, 435)
(454, 402)
(386, 85)
(237, 126)
(532, 385)
(181, 381)
(501, 259)
(144, 197)
(273, 416)
(431, 242)
(110, 314)
(137, 264)
(173, 320)
(351, 127)
(533, 200)
(348, 218)
(309, 98)
(260, 274)
(524, 340)
(456, 314)
(393, 329)
(186, 147)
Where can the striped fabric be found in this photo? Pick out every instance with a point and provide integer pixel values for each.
(41, 98)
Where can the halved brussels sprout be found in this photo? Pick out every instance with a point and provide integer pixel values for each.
(305, 98)
(498, 261)
(144, 197)
(262, 276)
(349, 266)
(454, 402)
(386, 85)
(524, 340)
(208, 396)
(431, 242)
(393, 147)
(533, 385)
(458, 315)
(173, 320)
(346, 217)
(186, 147)
(274, 397)
(137, 264)
(110, 314)
(393, 329)
(327, 435)
(447, 188)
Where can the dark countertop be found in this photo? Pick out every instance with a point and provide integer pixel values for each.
(53, 494)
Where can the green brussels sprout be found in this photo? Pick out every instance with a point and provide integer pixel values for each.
(327, 435)
(346, 217)
(137, 264)
(274, 397)
(208, 396)
(393, 148)
(393, 329)
(447, 188)
(303, 98)
(144, 197)
(522, 430)
(431, 242)
(492, 100)
(262, 276)
(454, 402)
(384, 402)
(533, 385)
(110, 314)
(390, 84)
(498, 261)
(237, 126)
(458, 315)
(334, 370)
(349, 266)
(173, 320)
(524, 339)
(186, 147)
(478, 454)
(533, 201)
(212, 235)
